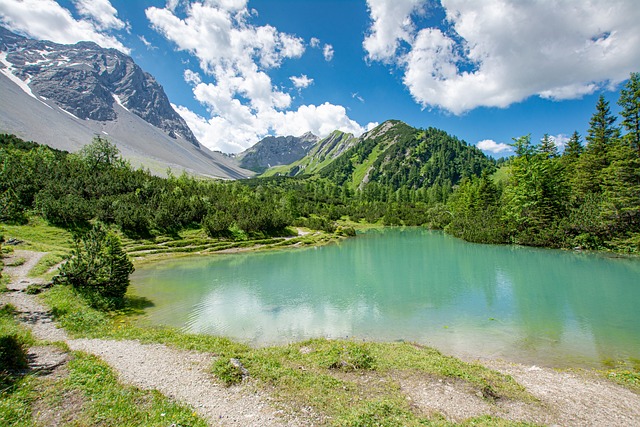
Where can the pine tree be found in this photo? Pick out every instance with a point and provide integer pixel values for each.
(630, 103)
(548, 147)
(574, 147)
(602, 130)
(601, 134)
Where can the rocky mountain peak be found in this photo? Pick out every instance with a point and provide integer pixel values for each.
(277, 150)
(89, 82)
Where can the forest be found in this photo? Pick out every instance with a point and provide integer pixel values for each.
(586, 197)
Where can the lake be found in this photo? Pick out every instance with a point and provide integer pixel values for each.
(529, 305)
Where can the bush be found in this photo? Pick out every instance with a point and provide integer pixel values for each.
(98, 268)
(217, 223)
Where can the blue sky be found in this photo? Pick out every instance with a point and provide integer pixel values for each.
(239, 70)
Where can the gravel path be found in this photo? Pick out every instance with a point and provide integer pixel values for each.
(182, 375)
(567, 399)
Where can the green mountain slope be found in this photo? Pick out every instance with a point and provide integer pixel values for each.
(393, 155)
(323, 153)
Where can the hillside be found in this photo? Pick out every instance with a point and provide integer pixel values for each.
(323, 152)
(393, 155)
(276, 150)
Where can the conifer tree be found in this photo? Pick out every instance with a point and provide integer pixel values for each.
(630, 103)
(574, 147)
(602, 132)
(548, 147)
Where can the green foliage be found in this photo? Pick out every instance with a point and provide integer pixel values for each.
(98, 267)
(227, 372)
(349, 356)
(630, 103)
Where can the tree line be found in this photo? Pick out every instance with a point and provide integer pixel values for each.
(587, 197)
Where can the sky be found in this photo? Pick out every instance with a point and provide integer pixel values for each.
(484, 71)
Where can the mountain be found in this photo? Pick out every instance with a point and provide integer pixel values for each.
(393, 155)
(320, 155)
(63, 95)
(276, 150)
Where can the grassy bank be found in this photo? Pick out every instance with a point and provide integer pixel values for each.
(333, 382)
(81, 391)
(338, 382)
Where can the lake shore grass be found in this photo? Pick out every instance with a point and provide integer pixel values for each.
(343, 382)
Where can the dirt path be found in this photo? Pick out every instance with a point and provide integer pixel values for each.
(182, 375)
(566, 399)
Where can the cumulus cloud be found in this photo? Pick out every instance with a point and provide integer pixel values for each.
(390, 25)
(301, 82)
(47, 20)
(314, 42)
(327, 52)
(493, 147)
(236, 56)
(497, 52)
(560, 140)
(101, 12)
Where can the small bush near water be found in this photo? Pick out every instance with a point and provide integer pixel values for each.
(98, 268)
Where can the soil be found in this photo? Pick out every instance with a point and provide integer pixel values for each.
(563, 398)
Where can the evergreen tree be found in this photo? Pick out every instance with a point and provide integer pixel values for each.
(630, 103)
(98, 267)
(602, 132)
(574, 147)
(548, 146)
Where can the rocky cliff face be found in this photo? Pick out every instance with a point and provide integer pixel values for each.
(276, 150)
(88, 81)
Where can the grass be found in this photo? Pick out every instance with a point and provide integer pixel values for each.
(89, 394)
(344, 382)
(627, 374)
(39, 236)
(15, 262)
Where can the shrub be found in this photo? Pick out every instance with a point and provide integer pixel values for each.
(98, 268)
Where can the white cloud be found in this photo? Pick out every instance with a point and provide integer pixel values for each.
(497, 52)
(301, 82)
(493, 147)
(357, 96)
(560, 140)
(101, 12)
(314, 42)
(147, 43)
(391, 24)
(47, 20)
(327, 52)
(244, 104)
(192, 77)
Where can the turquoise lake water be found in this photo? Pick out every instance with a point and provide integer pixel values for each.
(528, 305)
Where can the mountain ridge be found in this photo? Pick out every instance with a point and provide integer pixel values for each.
(276, 150)
(62, 111)
(392, 154)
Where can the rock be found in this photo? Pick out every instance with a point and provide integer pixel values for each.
(89, 82)
(238, 364)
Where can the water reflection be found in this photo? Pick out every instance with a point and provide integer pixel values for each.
(520, 303)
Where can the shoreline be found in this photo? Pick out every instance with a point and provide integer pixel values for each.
(571, 398)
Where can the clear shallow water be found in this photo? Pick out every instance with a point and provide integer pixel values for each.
(523, 304)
